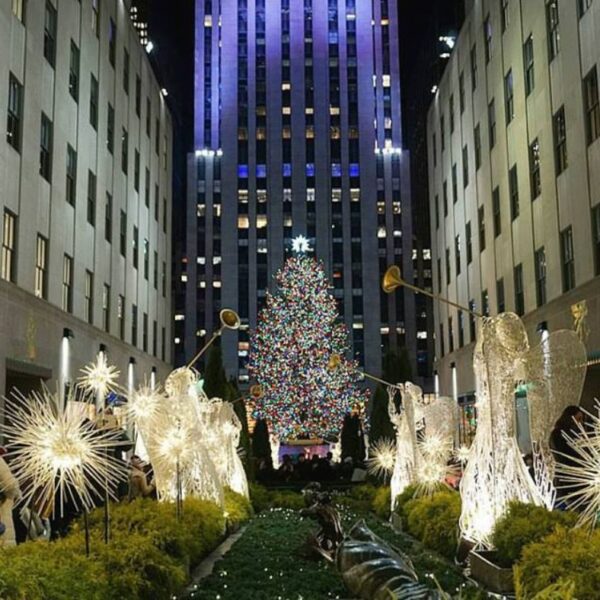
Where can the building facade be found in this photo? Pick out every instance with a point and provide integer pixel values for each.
(85, 195)
(298, 135)
(514, 168)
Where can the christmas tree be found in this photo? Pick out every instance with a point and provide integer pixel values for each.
(304, 395)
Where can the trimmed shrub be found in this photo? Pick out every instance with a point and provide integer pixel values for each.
(381, 502)
(523, 524)
(149, 555)
(238, 509)
(434, 520)
(264, 499)
(401, 499)
(566, 555)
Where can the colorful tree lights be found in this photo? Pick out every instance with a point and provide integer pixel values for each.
(296, 335)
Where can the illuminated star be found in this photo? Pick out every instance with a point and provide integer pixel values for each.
(301, 245)
(382, 458)
(99, 377)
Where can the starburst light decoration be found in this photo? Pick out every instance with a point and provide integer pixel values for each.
(580, 476)
(99, 377)
(462, 453)
(58, 453)
(495, 474)
(382, 458)
(301, 245)
(144, 403)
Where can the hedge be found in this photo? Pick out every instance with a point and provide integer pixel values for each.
(149, 555)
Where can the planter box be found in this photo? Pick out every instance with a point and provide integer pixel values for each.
(486, 572)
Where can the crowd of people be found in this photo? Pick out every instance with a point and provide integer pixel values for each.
(304, 467)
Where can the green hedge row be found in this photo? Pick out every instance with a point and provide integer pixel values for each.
(149, 555)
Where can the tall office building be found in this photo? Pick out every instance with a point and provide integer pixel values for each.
(138, 11)
(85, 195)
(298, 135)
(514, 178)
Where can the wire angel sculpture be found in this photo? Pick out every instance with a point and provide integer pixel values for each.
(407, 450)
(222, 429)
(173, 436)
(58, 453)
(554, 372)
(495, 473)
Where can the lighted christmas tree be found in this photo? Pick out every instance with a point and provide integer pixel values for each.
(291, 350)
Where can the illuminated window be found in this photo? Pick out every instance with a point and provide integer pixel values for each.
(386, 81)
(261, 221)
(381, 232)
(336, 195)
(334, 110)
(355, 195)
(207, 20)
(243, 222)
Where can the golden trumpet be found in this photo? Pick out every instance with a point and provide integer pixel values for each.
(229, 320)
(392, 279)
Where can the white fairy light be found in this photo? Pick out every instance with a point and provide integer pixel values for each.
(462, 454)
(58, 450)
(382, 458)
(144, 403)
(99, 377)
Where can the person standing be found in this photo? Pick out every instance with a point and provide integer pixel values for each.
(138, 480)
(9, 494)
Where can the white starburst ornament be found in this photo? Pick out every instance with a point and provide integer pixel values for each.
(99, 377)
(301, 245)
(57, 451)
(462, 453)
(144, 403)
(580, 476)
(382, 458)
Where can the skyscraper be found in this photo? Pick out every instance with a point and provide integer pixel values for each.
(297, 135)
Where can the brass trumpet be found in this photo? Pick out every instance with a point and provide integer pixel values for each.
(392, 280)
(229, 320)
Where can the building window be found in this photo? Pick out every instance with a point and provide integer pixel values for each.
(9, 246)
(91, 199)
(513, 190)
(592, 105)
(46, 148)
(477, 136)
(50, 33)
(473, 67)
(18, 9)
(145, 332)
(465, 161)
(163, 277)
(509, 98)
(15, 112)
(155, 270)
(442, 134)
(596, 226)
(451, 112)
(496, 211)
(504, 14)
(108, 208)
(94, 102)
(500, 295)
(442, 348)
(540, 276)
(583, 6)
(134, 325)
(147, 189)
(110, 129)
(492, 122)
(163, 344)
(41, 268)
(434, 150)
(146, 259)
(461, 92)
(552, 25)
(472, 326)
(528, 65)
(450, 335)
(124, 150)
(67, 284)
(106, 307)
(136, 243)
(448, 267)
(71, 188)
(154, 338)
(89, 297)
(469, 242)
(567, 259)
(457, 254)
(121, 316)
(534, 169)
(74, 72)
(439, 275)
(481, 226)
(112, 42)
(445, 198)
(136, 171)
(123, 234)
(437, 211)
(519, 292)
(487, 38)
(125, 70)
(138, 96)
(96, 17)
(485, 303)
(454, 184)
(560, 140)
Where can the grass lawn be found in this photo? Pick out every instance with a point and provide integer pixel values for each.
(268, 563)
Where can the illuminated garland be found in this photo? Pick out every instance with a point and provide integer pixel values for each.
(296, 335)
